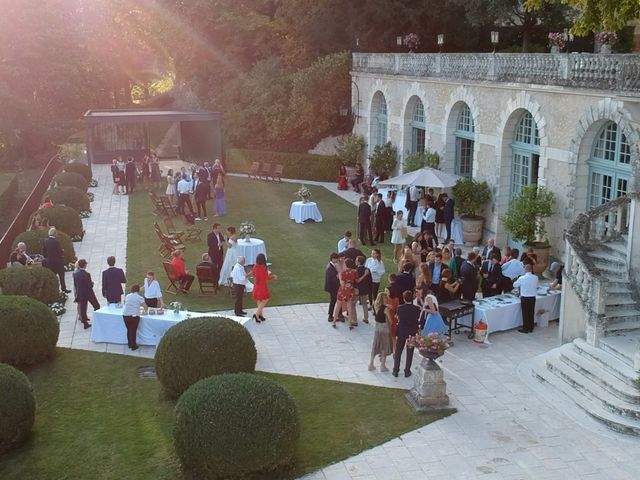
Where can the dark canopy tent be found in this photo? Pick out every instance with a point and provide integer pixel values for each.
(110, 133)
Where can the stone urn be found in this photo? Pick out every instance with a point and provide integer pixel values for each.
(429, 391)
(472, 229)
(555, 49)
(605, 48)
(542, 254)
(247, 237)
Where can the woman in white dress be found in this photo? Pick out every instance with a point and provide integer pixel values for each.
(230, 259)
(171, 185)
(399, 229)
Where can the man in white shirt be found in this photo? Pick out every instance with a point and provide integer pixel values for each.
(528, 285)
(429, 218)
(184, 188)
(412, 201)
(239, 279)
(343, 243)
(512, 269)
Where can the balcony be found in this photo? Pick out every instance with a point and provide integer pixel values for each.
(619, 73)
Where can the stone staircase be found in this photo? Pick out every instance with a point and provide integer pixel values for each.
(599, 373)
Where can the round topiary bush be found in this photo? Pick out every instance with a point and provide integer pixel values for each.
(28, 330)
(200, 347)
(71, 197)
(35, 282)
(235, 426)
(71, 179)
(35, 241)
(79, 168)
(65, 219)
(17, 407)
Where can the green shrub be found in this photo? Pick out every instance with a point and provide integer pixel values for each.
(35, 241)
(200, 347)
(28, 330)
(71, 179)
(17, 407)
(235, 426)
(35, 282)
(471, 196)
(65, 219)
(71, 197)
(80, 168)
(304, 166)
(383, 159)
(418, 160)
(349, 149)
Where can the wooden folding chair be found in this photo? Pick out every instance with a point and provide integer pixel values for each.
(174, 240)
(277, 173)
(167, 207)
(172, 277)
(188, 234)
(207, 278)
(157, 206)
(265, 171)
(254, 172)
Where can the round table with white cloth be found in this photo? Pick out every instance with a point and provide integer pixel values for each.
(249, 249)
(301, 211)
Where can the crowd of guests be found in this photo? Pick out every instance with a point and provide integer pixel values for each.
(427, 275)
(126, 175)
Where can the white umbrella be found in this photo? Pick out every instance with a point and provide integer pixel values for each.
(424, 177)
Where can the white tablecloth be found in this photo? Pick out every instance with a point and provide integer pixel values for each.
(301, 211)
(108, 325)
(250, 249)
(503, 312)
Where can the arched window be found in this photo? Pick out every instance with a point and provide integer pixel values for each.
(418, 128)
(464, 137)
(379, 120)
(609, 165)
(526, 154)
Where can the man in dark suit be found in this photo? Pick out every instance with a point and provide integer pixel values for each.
(54, 257)
(379, 216)
(491, 273)
(408, 316)
(364, 221)
(405, 280)
(112, 280)
(83, 286)
(469, 278)
(490, 249)
(352, 252)
(130, 172)
(331, 283)
(215, 242)
(448, 214)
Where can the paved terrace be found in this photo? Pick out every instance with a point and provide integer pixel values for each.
(502, 430)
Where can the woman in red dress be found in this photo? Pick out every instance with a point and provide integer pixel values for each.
(342, 177)
(261, 278)
(347, 294)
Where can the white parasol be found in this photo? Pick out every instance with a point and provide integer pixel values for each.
(424, 177)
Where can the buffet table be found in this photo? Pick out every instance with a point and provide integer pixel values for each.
(249, 249)
(108, 325)
(302, 211)
(503, 312)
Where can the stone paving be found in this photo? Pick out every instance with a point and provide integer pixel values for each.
(503, 429)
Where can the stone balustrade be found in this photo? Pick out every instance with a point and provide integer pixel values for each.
(606, 72)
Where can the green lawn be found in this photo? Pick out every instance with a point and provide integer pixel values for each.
(5, 180)
(97, 420)
(299, 253)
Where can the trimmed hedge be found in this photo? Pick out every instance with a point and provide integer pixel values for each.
(35, 282)
(304, 166)
(235, 426)
(65, 219)
(71, 197)
(71, 179)
(80, 168)
(28, 330)
(35, 241)
(17, 407)
(200, 347)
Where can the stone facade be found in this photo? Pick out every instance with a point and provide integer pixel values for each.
(568, 119)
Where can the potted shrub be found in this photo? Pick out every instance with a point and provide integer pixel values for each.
(525, 221)
(418, 160)
(349, 149)
(471, 198)
(383, 160)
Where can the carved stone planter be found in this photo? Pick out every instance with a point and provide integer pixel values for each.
(542, 254)
(429, 390)
(472, 230)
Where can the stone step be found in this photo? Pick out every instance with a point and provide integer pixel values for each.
(621, 328)
(612, 269)
(621, 314)
(603, 256)
(616, 248)
(622, 347)
(616, 279)
(619, 289)
(584, 365)
(591, 406)
(619, 300)
(591, 389)
(607, 361)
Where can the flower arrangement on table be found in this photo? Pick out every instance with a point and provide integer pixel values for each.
(304, 193)
(556, 39)
(247, 229)
(58, 308)
(607, 38)
(432, 343)
(411, 41)
(176, 306)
